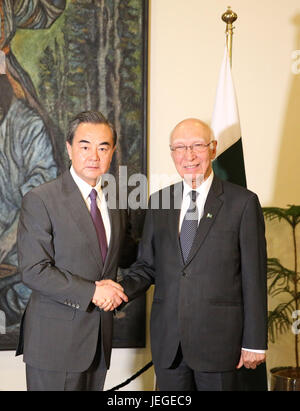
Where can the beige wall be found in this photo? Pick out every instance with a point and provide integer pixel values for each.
(187, 43)
(186, 49)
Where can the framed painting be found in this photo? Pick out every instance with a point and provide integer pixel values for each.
(58, 58)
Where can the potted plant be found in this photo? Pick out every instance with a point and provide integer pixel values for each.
(286, 283)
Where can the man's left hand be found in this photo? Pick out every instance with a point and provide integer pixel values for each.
(250, 359)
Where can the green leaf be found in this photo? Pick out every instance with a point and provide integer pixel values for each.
(280, 319)
(291, 214)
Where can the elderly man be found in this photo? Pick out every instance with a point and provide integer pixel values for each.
(206, 255)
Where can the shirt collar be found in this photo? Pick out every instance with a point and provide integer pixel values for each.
(203, 189)
(83, 186)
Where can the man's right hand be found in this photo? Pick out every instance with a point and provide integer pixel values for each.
(108, 295)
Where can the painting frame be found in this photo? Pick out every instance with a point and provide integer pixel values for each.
(31, 87)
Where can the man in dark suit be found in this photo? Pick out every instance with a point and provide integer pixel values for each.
(67, 239)
(203, 246)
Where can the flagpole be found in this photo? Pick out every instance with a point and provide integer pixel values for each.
(229, 17)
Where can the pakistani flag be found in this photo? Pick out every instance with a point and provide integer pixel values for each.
(229, 164)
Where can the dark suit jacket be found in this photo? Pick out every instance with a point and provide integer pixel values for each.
(60, 260)
(215, 303)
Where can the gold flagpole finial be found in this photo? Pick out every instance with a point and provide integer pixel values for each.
(229, 17)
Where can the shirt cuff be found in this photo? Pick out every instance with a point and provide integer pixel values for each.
(257, 351)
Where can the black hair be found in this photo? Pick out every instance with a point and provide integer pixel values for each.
(94, 117)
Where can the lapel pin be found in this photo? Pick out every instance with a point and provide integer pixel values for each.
(209, 215)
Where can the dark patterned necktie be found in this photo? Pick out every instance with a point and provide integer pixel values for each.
(189, 226)
(98, 223)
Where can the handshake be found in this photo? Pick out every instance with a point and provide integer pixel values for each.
(108, 295)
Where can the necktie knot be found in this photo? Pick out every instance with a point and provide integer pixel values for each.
(93, 195)
(193, 195)
(193, 201)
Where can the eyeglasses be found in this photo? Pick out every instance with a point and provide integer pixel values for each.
(196, 148)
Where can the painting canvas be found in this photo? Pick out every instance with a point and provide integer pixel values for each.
(57, 58)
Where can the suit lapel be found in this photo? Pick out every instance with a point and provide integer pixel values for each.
(211, 209)
(114, 236)
(76, 206)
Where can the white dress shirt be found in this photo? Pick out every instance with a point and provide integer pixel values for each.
(203, 190)
(85, 190)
